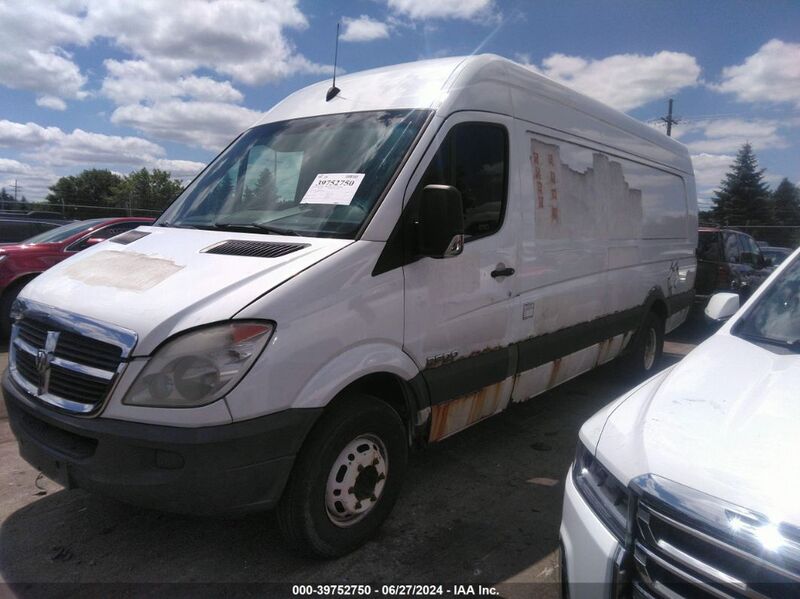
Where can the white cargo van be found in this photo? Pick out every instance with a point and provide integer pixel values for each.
(352, 277)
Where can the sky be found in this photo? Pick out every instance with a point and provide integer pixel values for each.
(129, 84)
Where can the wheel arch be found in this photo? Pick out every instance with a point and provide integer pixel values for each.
(376, 369)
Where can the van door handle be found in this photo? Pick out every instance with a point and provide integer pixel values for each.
(502, 272)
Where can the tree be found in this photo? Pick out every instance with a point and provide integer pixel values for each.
(743, 196)
(786, 211)
(145, 190)
(93, 187)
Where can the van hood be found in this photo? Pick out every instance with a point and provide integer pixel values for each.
(723, 421)
(166, 281)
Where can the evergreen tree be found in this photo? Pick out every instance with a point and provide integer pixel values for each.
(786, 203)
(786, 211)
(743, 196)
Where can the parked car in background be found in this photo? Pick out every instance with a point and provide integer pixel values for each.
(728, 260)
(14, 229)
(775, 255)
(686, 487)
(19, 263)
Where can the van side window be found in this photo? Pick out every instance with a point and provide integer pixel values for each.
(474, 159)
(732, 249)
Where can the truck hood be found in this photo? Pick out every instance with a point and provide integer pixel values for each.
(724, 421)
(165, 282)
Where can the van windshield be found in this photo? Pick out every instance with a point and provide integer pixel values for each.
(317, 176)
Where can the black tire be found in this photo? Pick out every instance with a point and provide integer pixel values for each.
(6, 302)
(303, 514)
(642, 359)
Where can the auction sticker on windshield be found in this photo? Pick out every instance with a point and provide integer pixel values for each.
(333, 188)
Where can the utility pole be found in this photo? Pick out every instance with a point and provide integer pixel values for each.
(669, 120)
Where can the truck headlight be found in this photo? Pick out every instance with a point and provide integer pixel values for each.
(200, 366)
(607, 496)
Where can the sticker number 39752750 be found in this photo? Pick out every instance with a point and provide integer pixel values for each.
(333, 188)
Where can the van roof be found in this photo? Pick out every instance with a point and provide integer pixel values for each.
(483, 82)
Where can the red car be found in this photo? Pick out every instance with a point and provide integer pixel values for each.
(19, 263)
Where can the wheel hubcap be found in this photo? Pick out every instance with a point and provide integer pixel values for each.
(650, 349)
(356, 480)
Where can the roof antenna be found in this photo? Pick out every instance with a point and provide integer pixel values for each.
(333, 90)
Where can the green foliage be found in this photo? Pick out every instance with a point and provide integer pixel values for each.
(744, 200)
(99, 192)
(786, 211)
(743, 197)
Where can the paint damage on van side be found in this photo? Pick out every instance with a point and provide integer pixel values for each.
(459, 413)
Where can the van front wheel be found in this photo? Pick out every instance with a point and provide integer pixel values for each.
(346, 478)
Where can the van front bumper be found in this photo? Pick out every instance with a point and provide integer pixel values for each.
(230, 468)
(588, 548)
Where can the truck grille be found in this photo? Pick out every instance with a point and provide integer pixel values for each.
(66, 361)
(693, 545)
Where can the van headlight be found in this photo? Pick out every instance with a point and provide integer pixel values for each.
(607, 496)
(200, 366)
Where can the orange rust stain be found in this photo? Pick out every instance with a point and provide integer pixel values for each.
(459, 413)
(554, 373)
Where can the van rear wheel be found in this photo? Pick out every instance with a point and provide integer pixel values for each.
(346, 478)
(647, 348)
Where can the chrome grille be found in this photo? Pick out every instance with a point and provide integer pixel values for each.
(65, 360)
(688, 544)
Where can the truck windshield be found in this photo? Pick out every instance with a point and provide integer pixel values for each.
(774, 318)
(317, 176)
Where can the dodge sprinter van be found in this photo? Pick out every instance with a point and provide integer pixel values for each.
(356, 275)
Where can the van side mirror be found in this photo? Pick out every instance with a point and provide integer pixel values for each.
(722, 306)
(440, 222)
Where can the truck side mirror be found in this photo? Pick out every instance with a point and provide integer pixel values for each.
(722, 306)
(440, 222)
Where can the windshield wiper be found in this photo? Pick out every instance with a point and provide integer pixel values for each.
(269, 229)
(167, 224)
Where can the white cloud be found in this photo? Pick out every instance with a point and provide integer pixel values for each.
(51, 102)
(243, 39)
(33, 181)
(210, 125)
(442, 9)
(31, 56)
(709, 170)
(89, 149)
(180, 169)
(27, 135)
(772, 74)
(363, 29)
(624, 81)
(54, 152)
(131, 81)
(728, 135)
